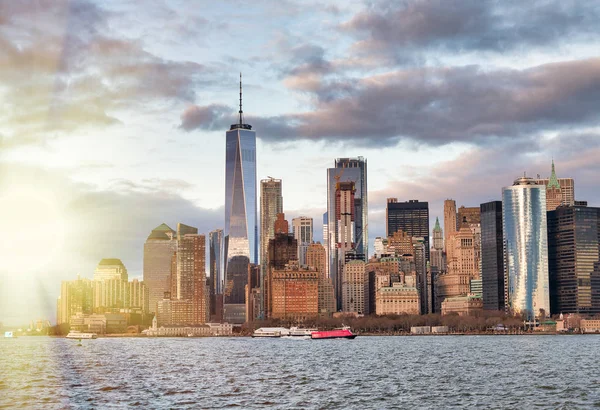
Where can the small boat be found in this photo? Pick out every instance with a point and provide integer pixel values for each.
(74, 334)
(341, 333)
(299, 333)
(10, 335)
(271, 332)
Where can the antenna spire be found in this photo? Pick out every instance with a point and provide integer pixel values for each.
(241, 112)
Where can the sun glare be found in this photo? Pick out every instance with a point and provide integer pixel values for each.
(34, 227)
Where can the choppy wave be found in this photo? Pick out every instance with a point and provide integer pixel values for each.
(495, 372)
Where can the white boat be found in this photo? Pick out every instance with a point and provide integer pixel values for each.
(299, 333)
(9, 335)
(74, 334)
(271, 332)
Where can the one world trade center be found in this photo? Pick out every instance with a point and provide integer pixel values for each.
(241, 229)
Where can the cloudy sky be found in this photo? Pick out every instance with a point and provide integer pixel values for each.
(113, 114)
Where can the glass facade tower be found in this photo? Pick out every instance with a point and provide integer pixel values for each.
(241, 229)
(492, 256)
(573, 238)
(526, 248)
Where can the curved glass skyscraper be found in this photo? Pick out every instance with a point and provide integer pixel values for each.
(526, 248)
(241, 231)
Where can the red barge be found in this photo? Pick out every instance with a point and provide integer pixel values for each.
(343, 333)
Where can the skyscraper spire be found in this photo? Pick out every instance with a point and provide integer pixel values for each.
(437, 224)
(241, 112)
(553, 182)
(240, 124)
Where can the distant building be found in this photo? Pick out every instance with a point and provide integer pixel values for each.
(450, 225)
(574, 256)
(470, 215)
(492, 256)
(355, 287)
(191, 271)
(412, 217)
(215, 281)
(158, 251)
(559, 191)
(271, 204)
(526, 248)
(282, 249)
(437, 251)
(354, 231)
(76, 297)
(294, 293)
(110, 269)
(397, 299)
(303, 233)
(316, 257)
(463, 305)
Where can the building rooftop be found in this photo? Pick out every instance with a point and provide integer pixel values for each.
(110, 262)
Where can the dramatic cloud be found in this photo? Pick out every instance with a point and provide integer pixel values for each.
(64, 68)
(479, 175)
(211, 117)
(398, 28)
(437, 106)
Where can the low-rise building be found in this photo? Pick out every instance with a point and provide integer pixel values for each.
(463, 305)
(420, 330)
(590, 325)
(397, 299)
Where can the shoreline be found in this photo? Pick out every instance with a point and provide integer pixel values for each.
(125, 335)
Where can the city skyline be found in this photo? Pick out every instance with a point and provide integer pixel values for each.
(93, 172)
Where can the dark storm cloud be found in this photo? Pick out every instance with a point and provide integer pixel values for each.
(399, 27)
(437, 106)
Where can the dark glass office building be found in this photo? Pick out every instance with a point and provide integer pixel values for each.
(574, 257)
(412, 217)
(492, 255)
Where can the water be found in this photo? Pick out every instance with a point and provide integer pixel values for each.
(501, 372)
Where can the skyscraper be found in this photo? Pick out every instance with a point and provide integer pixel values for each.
(450, 225)
(558, 190)
(526, 248)
(303, 232)
(191, 271)
(271, 204)
(158, 251)
(437, 252)
(282, 249)
(346, 170)
(216, 268)
(411, 217)
(492, 256)
(241, 230)
(573, 238)
(110, 268)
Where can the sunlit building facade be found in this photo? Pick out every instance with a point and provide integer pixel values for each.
(241, 229)
(526, 248)
(110, 268)
(159, 248)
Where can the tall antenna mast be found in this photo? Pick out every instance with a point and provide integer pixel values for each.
(241, 112)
